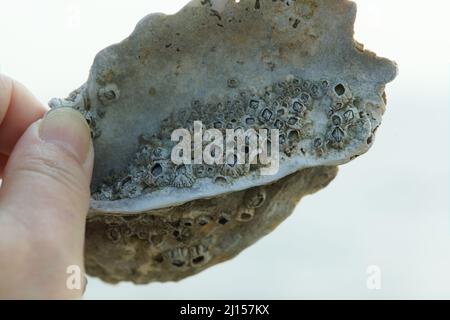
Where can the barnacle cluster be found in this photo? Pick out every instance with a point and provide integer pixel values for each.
(170, 244)
(173, 240)
(286, 65)
(285, 106)
(79, 100)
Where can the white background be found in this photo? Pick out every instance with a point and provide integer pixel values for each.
(389, 208)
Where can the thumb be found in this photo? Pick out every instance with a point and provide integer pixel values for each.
(44, 199)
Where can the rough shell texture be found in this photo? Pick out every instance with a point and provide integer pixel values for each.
(287, 65)
(171, 244)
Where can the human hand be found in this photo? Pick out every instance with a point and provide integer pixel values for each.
(46, 167)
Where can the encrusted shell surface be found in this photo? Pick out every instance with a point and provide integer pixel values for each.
(287, 65)
(173, 243)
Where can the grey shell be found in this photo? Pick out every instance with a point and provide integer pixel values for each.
(287, 65)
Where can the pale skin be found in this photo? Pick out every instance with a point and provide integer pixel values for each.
(45, 166)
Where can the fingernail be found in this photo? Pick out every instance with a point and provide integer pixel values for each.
(67, 128)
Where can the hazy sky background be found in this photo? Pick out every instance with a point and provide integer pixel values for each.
(389, 208)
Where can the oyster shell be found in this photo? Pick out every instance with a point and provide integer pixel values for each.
(287, 65)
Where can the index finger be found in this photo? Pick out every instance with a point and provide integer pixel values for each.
(18, 110)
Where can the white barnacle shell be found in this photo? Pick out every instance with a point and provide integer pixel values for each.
(292, 66)
(184, 176)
